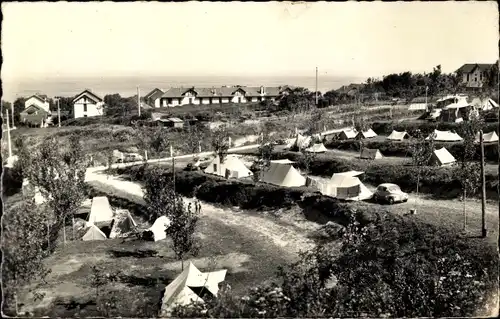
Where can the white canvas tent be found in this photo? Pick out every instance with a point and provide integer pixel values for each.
(368, 153)
(317, 148)
(123, 223)
(232, 167)
(487, 137)
(346, 186)
(347, 134)
(159, 227)
(300, 142)
(444, 136)
(100, 211)
(398, 136)
(189, 287)
(484, 104)
(117, 155)
(367, 134)
(283, 174)
(442, 157)
(94, 233)
(11, 161)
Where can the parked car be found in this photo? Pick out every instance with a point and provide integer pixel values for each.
(389, 193)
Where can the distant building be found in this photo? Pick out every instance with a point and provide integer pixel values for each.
(39, 100)
(34, 115)
(153, 98)
(87, 104)
(474, 75)
(235, 94)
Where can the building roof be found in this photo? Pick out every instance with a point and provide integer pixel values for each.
(33, 107)
(470, 67)
(89, 94)
(154, 94)
(41, 97)
(224, 91)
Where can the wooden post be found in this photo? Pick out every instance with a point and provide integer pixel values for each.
(483, 188)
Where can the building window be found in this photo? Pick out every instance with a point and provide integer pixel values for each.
(169, 101)
(85, 107)
(84, 115)
(475, 78)
(467, 77)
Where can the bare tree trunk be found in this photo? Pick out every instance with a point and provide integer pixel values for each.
(73, 226)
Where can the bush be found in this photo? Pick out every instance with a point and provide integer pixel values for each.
(386, 127)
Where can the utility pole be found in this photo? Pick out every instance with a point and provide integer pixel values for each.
(138, 101)
(12, 109)
(483, 188)
(58, 112)
(8, 134)
(316, 86)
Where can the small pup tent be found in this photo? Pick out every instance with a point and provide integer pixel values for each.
(191, 285)
(157, 231)
(317, 148)
(94, 233)
(442, 157)
(367, 134)
(100, 210)
(282, 173)
(368, 153)
(347, 134)
(232, 167)
(487, 137)
(398, 136)
(346, 186)
(123, 223)
(444, 136)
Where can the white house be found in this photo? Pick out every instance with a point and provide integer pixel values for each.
(87, 104)
(41, 101)
(153, 97)
(474, 74)
(234, 94)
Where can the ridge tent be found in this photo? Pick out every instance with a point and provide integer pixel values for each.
(442, 157)
(347, 134)
(157, 231)
(444, 136)
(368, 153)
(485, 104)
(300, 142)
(122, 223)
(487, 137)
(232, 167)
(190, 286)
(346, 186)
(367, 134)
(398, 136)
(283, 174)
(94, 233)
(100, 210)
(317, 148)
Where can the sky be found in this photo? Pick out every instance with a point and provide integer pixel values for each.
(249, 39)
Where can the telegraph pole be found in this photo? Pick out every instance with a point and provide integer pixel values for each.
(12, 109)
(483, 188)
(58, 113)
(138, 101)
(316, 86)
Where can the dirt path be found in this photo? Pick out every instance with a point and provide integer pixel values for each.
(290, 239)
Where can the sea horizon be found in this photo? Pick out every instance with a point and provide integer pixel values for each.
(127, 85)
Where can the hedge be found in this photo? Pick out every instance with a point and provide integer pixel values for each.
(386, 127)
(403, 148)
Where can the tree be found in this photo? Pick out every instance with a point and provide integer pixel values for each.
(18, 108)
(59, 173)
(155, 139)
(421, 151)
(316, 122)
(266, 148)
(298, 100)
(182, 227)
(220, 142)
(193, 140)
(158, 193)
(23, 241)
(469, 171)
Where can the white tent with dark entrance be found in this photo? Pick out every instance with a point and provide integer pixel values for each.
(444, 136)
(484, 104)
(157, 231)
(442, 157)
(232, 167)
(282, 173)
(317, 148)
(347, 134)
(300, 142)
(190, 286)
(366, 134)
(487, 137)
(100, 210)
(94, 233)
(398, 136)
(369, 153)
(346, 186)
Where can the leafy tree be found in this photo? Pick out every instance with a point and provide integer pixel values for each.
(155, 139)
(266, 148)
(23, 234)
(193, 139)
(298, 100)
(220, 142)
(182, 227)
(59, 173)
(158, 193)
(18, 108)
(421, 150)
